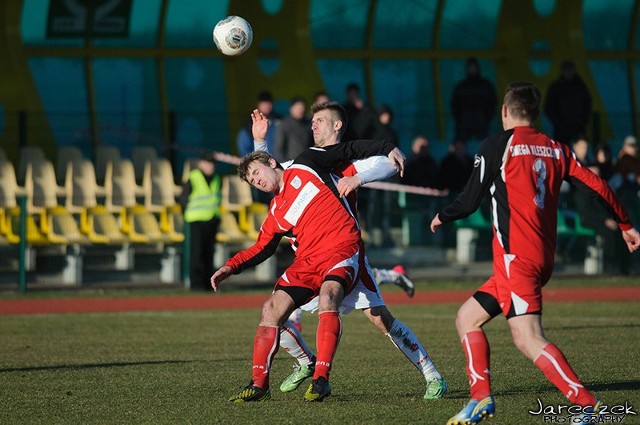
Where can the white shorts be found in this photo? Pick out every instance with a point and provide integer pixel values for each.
(359, 298)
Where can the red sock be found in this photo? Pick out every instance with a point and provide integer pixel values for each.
(476, 348)
(556, 368)
(327, 339)
(265, 346)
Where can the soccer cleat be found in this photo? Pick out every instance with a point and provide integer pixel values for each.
(436, 388)
(475, 411)
(297, 377)
(251, 393)
(589, 414)
(318, 390)
(403, 281)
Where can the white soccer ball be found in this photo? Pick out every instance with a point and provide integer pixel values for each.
(233, 35)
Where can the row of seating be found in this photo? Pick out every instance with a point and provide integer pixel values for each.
(76, 209)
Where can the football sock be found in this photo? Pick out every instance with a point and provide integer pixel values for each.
(292, 342)
(327, 339)
(476, 348)
(265, 346)
(406, 341)
(556, 368)
(296, 318)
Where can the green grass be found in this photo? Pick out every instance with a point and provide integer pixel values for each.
(180, 367)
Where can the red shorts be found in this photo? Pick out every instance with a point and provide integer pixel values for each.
(341, 265)
(516, 285)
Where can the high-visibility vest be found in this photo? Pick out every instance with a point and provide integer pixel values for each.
(204, 199)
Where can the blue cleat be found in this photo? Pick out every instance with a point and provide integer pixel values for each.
(474, 412)
(588, 415)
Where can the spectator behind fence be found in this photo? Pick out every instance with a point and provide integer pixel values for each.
(360, 115)
(453, 172)
(628, 166)
(616, 257)
(604, 162)
(580, 147)
(200, 201)
(380, 203)
(568, 105)
(244, 140)
(473, 104)
(420, 170)
(293, 134)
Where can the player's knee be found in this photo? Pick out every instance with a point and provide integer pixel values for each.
(463, 324)
(522, 341)
(270, 314)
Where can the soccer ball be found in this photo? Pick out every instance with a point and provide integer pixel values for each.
(233, 35)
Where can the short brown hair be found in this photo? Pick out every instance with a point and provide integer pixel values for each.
(522, 99)
(337, 113)
(257, 156)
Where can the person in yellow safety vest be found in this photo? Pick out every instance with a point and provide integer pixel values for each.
(200, 202)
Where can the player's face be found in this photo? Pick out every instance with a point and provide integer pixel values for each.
(324, 128)
(263, 177)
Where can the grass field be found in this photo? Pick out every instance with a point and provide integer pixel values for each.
(180, 367)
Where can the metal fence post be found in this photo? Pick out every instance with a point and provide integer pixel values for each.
(22, 246)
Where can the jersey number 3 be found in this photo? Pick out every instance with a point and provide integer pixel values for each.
(540, 171)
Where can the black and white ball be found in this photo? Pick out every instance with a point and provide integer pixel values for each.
(233, 35)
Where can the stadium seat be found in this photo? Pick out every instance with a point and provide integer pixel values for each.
(229, 231)
(102, 227)
(10, 212)
(63, 228)
(84, 189)
(467, 234)
(66, 156)
(237, 198)
(257, 214)
(141, 157)
(477, 221)
(28, 154)
(123, 190)
(163, 191)
(104, 156)
(144, 228)
(45, 189)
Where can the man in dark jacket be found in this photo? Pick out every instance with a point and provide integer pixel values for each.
(568, 105)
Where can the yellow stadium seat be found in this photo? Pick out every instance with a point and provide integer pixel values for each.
(236, 197)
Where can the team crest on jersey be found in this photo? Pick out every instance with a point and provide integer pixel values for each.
(296, 182)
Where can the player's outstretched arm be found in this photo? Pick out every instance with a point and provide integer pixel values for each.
(221, 274)
(632, 238)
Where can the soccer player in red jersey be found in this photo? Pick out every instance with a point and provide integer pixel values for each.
(366, 295)
(522, 169)
(306, 206)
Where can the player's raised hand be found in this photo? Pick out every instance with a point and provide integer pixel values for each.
(632, 238)
(221, 274)
(260, 125)
(397, 158)
(348, 184)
